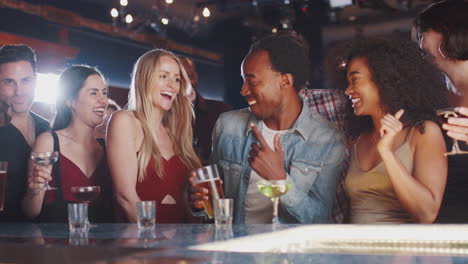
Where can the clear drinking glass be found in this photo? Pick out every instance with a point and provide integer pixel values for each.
(78, 217)
(86, 194)
(208, 178)
(273, 190)
(3, 182)
(223, 211)
(146, 211)
(444, 115)
(45, 159)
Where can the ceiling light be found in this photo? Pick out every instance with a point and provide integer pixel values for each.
(165, 20)
(128, 19)
(123, 2)
(287, 2)
(114, 13)
(206, 12)
(169, 1)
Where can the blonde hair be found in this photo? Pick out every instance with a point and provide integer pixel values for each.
(177, 120)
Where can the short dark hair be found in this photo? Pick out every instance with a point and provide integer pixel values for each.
(450, 19)
(70, 83)
(20, 52)
(404, 80)
(288, 53)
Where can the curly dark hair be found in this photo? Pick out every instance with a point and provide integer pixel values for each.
(404, 79)
(289, 53)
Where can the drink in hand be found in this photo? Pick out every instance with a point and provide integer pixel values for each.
(444, 115)
(215, 191)
(45, 159)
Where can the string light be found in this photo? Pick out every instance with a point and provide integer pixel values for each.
(169, 2)
(206, 12)
(128, 19)
(123, 2)
(114, 13)
(165, 20)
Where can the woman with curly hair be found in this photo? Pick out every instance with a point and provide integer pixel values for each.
(150, 146)
(398, 171)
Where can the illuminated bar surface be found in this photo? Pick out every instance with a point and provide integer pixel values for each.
(197, 243)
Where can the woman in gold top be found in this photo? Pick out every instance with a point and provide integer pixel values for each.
(398, 170)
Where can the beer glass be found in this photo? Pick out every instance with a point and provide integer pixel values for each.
(3, 182)
(208, 178)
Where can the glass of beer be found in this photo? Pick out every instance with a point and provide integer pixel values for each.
(208, 178)
(3, 182)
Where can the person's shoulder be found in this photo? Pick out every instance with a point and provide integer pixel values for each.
(44, 141)
(235, 121)
(236, 115)
(124, 117)
(431, 132)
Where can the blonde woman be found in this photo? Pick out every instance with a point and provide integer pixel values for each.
(150, 145)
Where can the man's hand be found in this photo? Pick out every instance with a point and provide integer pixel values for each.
(264, 161)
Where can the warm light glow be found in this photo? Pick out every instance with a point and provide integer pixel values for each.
(274, 30)
(169, 1)
(165, 21)
(46, 88)
(196, 18)
(129, 19)
(123, 2)
(206, 12)
(285, 25)
(114, 13)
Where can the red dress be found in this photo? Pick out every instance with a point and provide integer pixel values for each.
(169, 192)
(71, 175)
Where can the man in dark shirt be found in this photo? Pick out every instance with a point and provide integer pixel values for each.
(206, 113)
(19, 127)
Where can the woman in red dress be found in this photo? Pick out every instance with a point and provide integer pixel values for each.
(81, 107)
(150, 146)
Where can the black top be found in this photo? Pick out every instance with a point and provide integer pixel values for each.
(15, 150)
(454, 208)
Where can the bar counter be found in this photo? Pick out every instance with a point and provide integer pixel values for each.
(196, 243)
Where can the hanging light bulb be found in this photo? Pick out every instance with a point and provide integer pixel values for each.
(165, 20)
(128, 19)
(196, 18)
(169, 2)
(114, 13)
(206, 12)
(274, 30)
(123, 2)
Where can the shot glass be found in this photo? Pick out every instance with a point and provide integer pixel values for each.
(78, 217)
(146, 214)
(223, 210)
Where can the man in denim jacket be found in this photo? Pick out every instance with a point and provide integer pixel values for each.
(276, 138)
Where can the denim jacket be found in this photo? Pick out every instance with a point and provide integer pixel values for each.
(314, 151)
